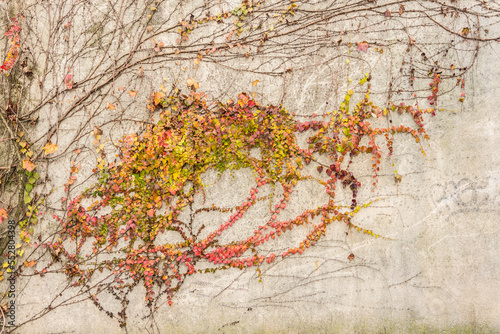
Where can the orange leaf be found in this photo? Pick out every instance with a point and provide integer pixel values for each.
(50, 148)
(28, 165)
(190, 82)
(158, 97)
(255, 83)
(132, 93)
(151, 213)
(111, 106)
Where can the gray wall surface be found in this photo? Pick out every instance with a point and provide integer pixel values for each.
(438, 265)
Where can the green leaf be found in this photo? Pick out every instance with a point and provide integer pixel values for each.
(27, 199)
(28, 188)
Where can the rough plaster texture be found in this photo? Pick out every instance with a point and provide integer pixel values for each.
(440, 269)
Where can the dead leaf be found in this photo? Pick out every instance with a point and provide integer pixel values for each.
(110, 106)
(5, 308)
(255, 82)
(97, 130)
(190, 82)
(141, 72)
(351, 257)
(132, 93)
(50, 148)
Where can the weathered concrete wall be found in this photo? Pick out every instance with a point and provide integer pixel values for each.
(439, 270)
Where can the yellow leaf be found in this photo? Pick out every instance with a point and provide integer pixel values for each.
(50, 148)
(255, 82)
(28, 165)
(110, 106)
(190, 82)
(197, 61)
(5, 264)
(132, 93)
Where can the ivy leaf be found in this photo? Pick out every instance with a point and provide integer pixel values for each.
(28, 165)
(158, 97)
(3, 215)
(27, 199)
(363, 46)
(68, 81)
(50, 148)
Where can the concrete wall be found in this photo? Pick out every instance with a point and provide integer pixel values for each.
(439, 270)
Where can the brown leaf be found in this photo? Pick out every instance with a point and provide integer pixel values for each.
(97, 130)
(351, 257)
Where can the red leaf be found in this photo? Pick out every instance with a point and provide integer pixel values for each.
(68, 81)
(363, 46)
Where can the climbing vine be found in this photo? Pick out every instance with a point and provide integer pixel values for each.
(160, 175)
(141, 221)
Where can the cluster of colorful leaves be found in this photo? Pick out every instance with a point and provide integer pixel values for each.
(161, 171)
(13, 54)
(434, 89)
